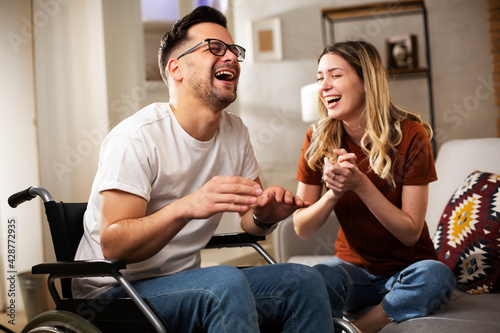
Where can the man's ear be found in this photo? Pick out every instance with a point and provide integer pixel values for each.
(174, 69)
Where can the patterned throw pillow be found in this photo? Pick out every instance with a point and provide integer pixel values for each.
(467, 239)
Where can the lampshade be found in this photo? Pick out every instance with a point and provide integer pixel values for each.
(309, 103)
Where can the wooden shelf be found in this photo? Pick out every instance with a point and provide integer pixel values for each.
(407, 71)
(360, 11)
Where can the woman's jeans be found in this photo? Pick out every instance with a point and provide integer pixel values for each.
(416, 291)
(227, 299)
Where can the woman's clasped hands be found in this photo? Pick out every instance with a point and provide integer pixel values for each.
(343, 175)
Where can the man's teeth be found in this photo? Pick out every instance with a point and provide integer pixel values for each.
(332, 99)
(224, 75)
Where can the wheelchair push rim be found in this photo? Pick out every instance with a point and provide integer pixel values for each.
(58, 321)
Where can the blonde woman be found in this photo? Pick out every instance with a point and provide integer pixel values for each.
(375, 161)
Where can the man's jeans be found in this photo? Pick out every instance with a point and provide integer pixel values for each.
(416, 291)
(227, 299)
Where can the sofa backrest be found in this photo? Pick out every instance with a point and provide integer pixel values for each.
(287, 244)
(455, 160)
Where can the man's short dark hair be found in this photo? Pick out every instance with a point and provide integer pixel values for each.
(179, 33)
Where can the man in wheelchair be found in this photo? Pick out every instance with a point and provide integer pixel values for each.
(165, 176)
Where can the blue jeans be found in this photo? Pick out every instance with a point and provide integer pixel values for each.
(416, 291)
(227, 299)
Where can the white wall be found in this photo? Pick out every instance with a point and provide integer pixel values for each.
(462, 66)
(269, 92)
(18, 145)
(71, 95)
(125, 60)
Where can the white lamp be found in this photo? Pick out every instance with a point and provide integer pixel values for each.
(309, 101)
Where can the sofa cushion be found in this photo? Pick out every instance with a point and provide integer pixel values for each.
(464, 313)
(467, 238)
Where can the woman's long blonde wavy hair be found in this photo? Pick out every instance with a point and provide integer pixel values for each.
(381, 116)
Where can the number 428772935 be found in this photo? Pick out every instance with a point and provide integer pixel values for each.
(11, 244)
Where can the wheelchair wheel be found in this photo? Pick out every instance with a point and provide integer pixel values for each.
(59, 322)
(344, 325)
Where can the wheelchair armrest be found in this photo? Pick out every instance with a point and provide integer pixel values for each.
(79, 268)
(233, 240)
(240, 240)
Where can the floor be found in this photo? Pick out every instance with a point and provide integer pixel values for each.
(18, 323)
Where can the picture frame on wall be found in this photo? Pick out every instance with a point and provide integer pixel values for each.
(402, 52)
(267, 44)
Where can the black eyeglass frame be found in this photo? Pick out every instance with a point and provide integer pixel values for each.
(237, 50)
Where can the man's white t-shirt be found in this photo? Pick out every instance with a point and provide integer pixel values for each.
(150, 155)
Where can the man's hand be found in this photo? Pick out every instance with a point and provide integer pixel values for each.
(223, 194)
(276, 204)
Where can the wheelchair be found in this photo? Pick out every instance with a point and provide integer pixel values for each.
(133, 314)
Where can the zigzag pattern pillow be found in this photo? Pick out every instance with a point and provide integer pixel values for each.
(467, 239)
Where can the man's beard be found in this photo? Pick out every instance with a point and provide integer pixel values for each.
(221, 99)
(215, 98)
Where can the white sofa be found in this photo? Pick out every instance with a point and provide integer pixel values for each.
(455, 160)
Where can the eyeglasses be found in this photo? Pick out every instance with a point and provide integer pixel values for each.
(219, 48)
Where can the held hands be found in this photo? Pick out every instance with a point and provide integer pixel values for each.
(343, 175)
